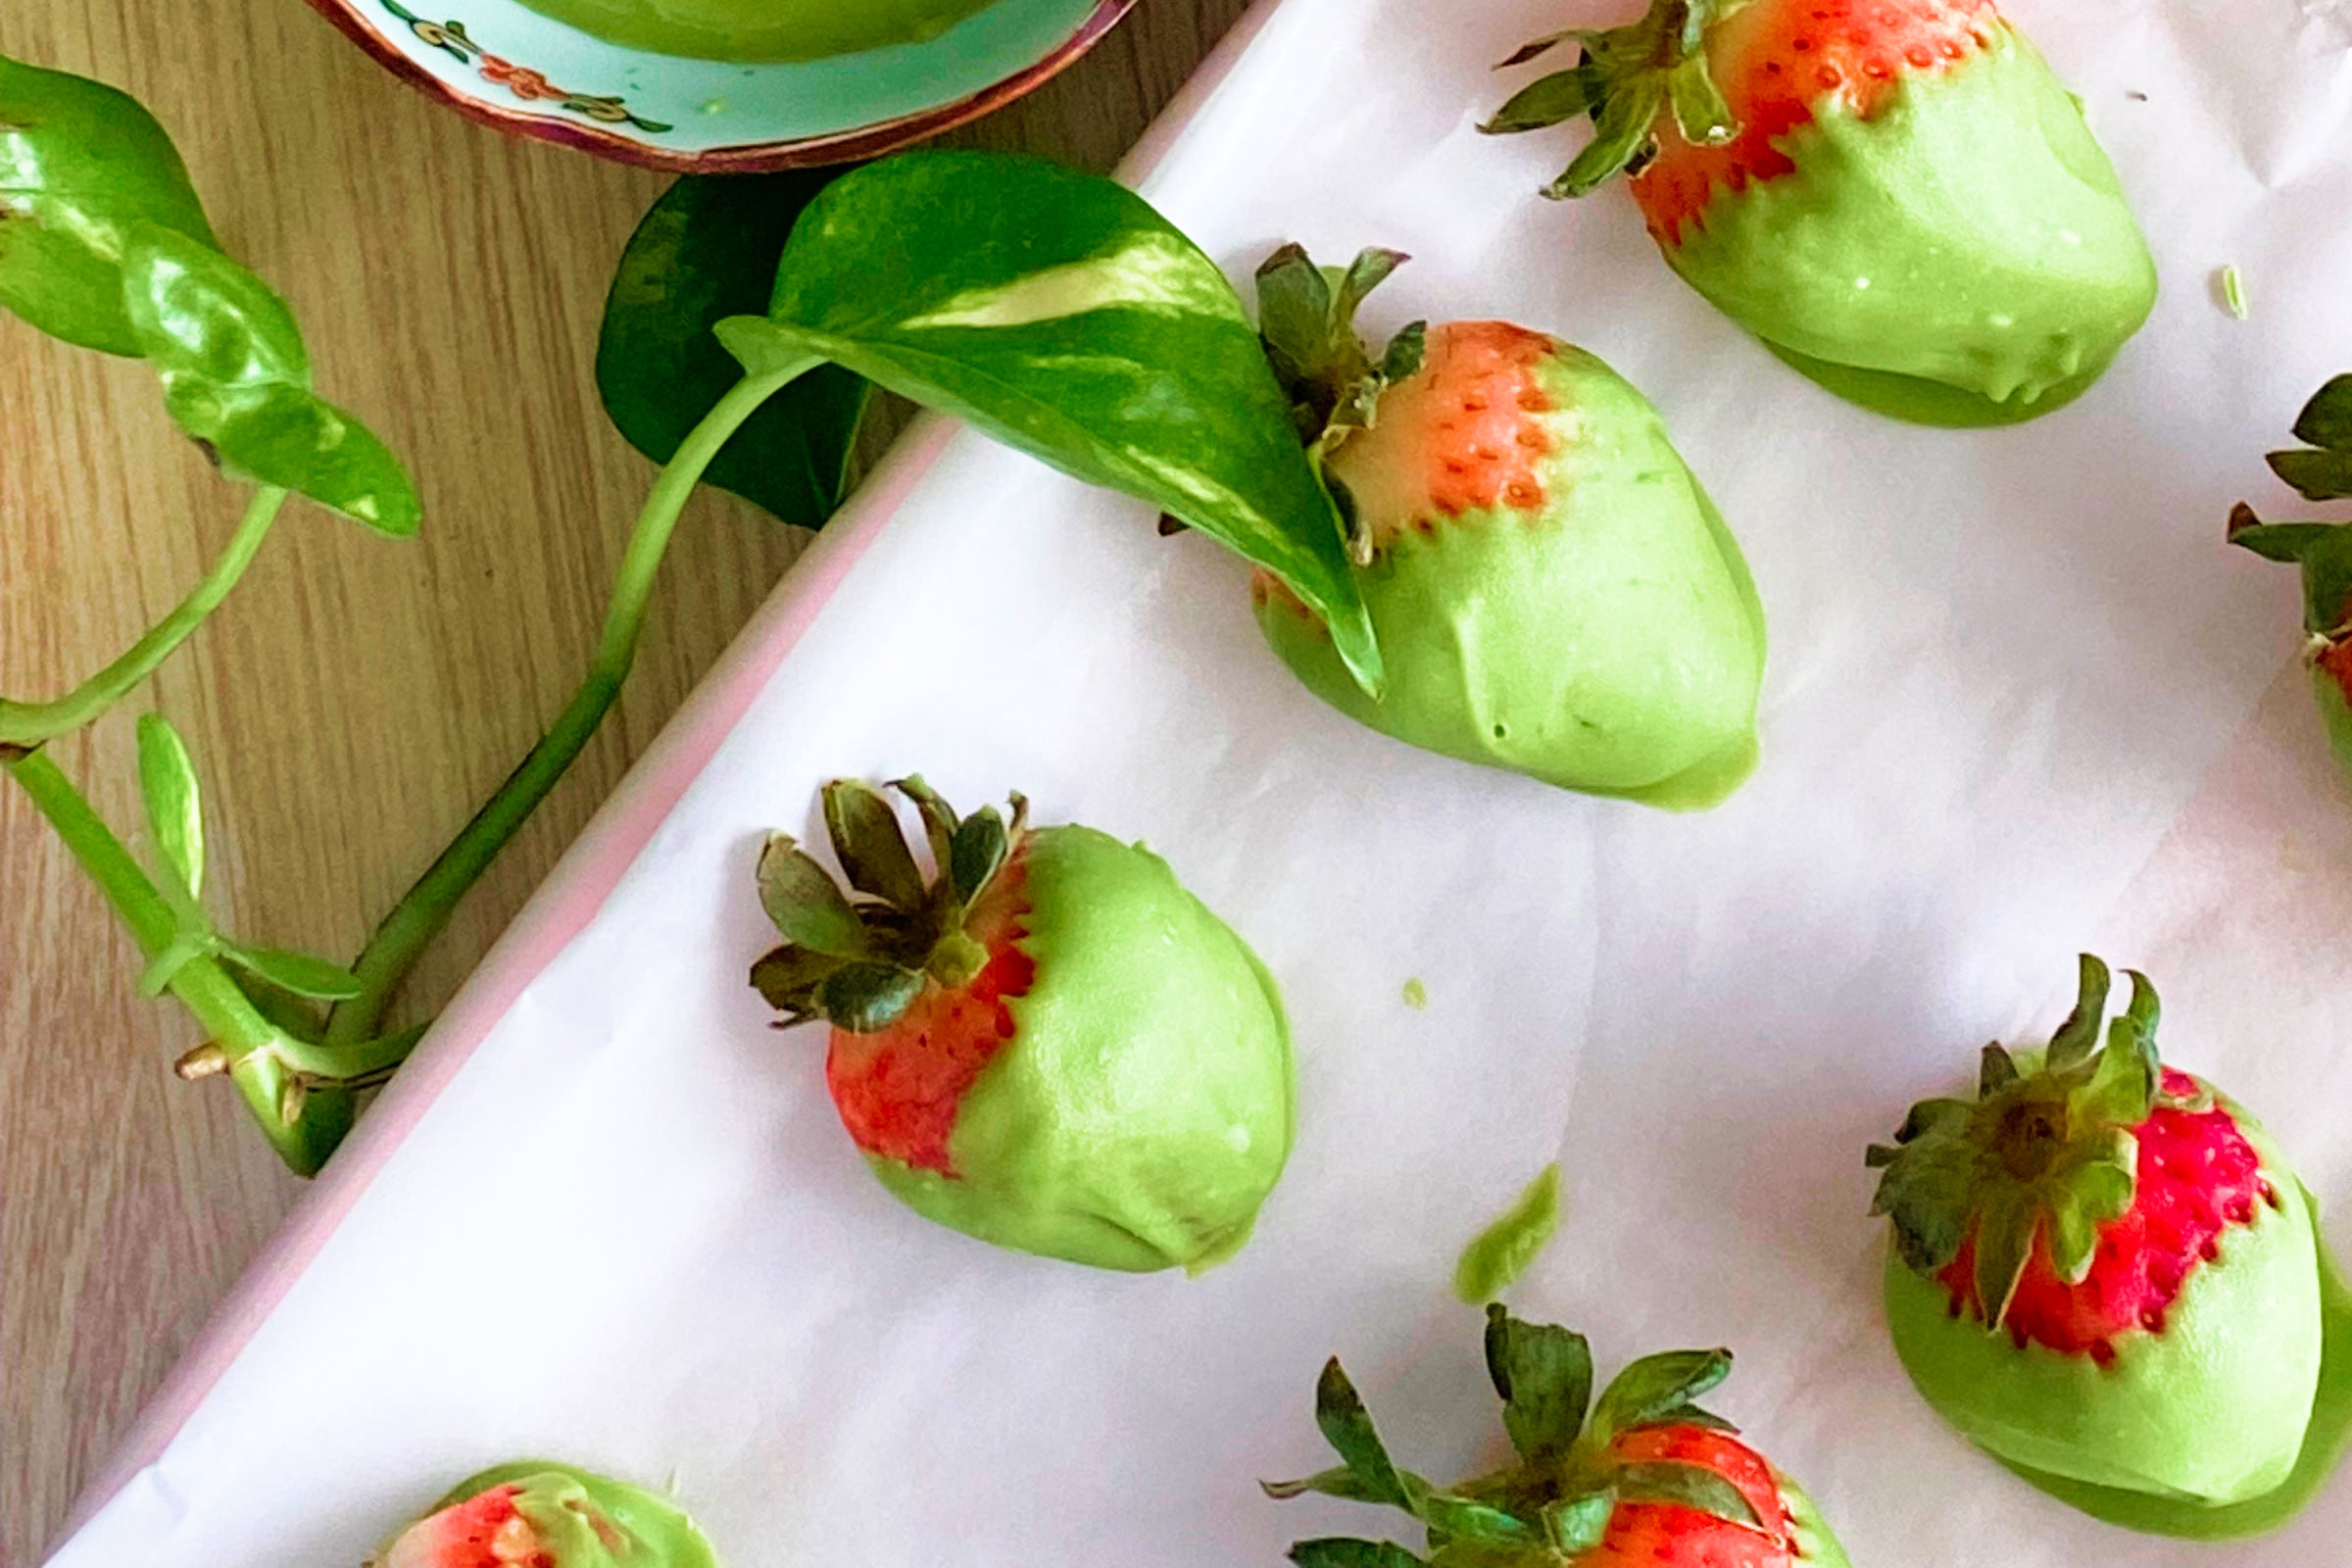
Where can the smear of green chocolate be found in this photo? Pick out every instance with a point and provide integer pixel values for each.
(2324, 1444)
(1501, 1252)
(557, 1499)
(1145, 1109)
(1964, 256)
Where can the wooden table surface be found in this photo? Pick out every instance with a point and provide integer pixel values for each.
(357, 697)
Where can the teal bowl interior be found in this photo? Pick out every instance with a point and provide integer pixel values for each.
(503, 63)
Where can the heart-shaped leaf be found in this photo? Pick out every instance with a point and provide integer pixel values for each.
(708, 249)
(305, 974)
(81, 162)
(1060, 314)
(237, 377)
(173, 800)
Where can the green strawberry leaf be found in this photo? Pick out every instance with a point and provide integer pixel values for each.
(1546, 101)
(1335, 1551)
(1346, 1425)
(1339, 1483)
(1699, 112)
(2004, 1239)
(871, 848)
(1691, 1485)
(805, 905)
(237, 377)
(1576, 1524)
(863, 998)
(2287, 542)
(2314, 475)
(1459, 1518)
(1620, 138)
(81, 162)
(303, 975)
(1996, 1071)
(1647, 1389)
(1062, 315)
(976, 853)
(175, 801)
(2327, 419)
(1543, 1374)
(708, 249)
(939, 818)
(1295, 315)
(2077, 1035)
(788, 976)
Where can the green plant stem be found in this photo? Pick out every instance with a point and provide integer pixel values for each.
(28, 724)
(253, 1043)
(401, 940)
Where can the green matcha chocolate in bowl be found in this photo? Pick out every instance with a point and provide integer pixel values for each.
(1050, 1045)
(1902, 202)
(2103, 1270)
(1552, 590)
(759, 30)
(539, 1514)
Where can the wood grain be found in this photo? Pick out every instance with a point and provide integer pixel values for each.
(355, 698)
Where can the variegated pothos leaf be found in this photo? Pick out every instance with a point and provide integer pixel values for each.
(1058, 311)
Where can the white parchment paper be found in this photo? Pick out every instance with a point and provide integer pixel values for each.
(2005, 665)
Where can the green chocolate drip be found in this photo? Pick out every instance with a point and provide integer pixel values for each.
(758, 30)
(559, 1500)
(1611, 642)
(1144, 1109)
(1964, 256)
(2212, 1410)
(1500, 1253)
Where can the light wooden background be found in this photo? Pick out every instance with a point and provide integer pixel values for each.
(357, 697)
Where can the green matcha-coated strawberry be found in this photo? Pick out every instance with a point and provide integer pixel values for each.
(1900, 200)
(1552, 591)
(2103, 1270)
(1050, 1044)
(538, 1515)
(2321, 469)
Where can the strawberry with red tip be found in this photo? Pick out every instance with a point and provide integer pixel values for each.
(2102, 1270)
(2321, 469)
(1642, 1475)
(1898, 197)
(536, 1514)
(1048, 1045)
(1552, 591)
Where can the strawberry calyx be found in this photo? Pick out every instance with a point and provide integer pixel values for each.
(2321, 469)
(1573, 1470)
(1306, 324)
(1624, 78)
(2049, 1155)
(858, 960)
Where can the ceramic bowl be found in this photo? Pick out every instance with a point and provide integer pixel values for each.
(505, 65)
